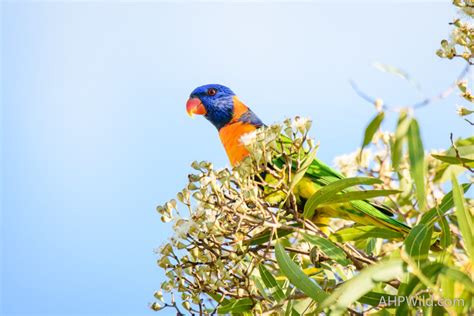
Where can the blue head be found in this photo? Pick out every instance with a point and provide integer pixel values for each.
(214, 101)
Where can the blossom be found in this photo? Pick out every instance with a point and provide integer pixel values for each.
(182, 227)
(300, 122)
(349, 164)
(249, 138)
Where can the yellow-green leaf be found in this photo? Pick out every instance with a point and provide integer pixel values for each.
(327, 192)
(328, 248)
(372, 129)
(236, 306)
(464, 217)
(364, 232)
(417, 162)
(400, 135)
(359, 195)
(418, 241)
(453, 160)
(296, 276)
(271, 284)
(304, 167)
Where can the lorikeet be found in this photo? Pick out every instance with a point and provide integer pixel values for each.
(232, 118)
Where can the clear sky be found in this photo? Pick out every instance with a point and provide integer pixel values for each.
(95, 135)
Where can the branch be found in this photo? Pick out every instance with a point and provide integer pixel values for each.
(444, 94)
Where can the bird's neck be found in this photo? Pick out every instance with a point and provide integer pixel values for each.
(230, 136)
(231, 133)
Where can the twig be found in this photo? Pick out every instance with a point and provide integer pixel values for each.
(178, 312)
(458, 156)
(419, 104)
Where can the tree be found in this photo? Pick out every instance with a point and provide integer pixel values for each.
(235, 252)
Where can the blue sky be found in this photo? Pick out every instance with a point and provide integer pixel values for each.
(95, 135)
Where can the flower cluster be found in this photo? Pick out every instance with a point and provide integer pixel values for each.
(217, 247)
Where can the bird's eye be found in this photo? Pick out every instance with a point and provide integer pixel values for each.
(211, 92)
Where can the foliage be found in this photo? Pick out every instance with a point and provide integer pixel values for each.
(237, 251)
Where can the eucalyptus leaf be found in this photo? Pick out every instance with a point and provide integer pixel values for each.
(271, 284)
(417, 161)
(372, 129)
(236, 306)
(304, 167)
(400, 136)
(328, 248)
(418, 241)
(453, 160)
(446, 204)
(326, 193)
(359, 195)
(464, 217)
(296, 276)
(364, 232)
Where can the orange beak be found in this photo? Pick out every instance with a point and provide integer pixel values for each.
(194, 106)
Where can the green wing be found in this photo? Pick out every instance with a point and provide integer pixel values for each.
(363, 212)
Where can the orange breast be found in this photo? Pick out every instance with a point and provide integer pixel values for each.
(230, 136)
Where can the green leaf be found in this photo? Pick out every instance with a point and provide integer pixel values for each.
(359, 195)
(417, 162)
(372, 129)
(265, 235)
(271, 284)
(445, 233)
(453, 160)
(236, 306)
(418, 241)
(374, 298)
(352, 290)
(296, 276)
(398, 72)
(327, 192)
(261, 288)
(304, 167)
(463, 150)
(364, 232)
(464, 217)
(446, 204)
(218, 298)
(328, 248)
(400, 135)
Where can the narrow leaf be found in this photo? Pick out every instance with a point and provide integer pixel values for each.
(360, 195)
(398, 72)
(364, 232)
(418, 241)
(328, 248)
(304, 167)
(400, 135)
(446, 204)
(271, 284)
(417, 162)
(453, 160)
(265, 235)
(464, 217)
(372, 129)
(327, 192)
(236, 306)
(296, 276)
